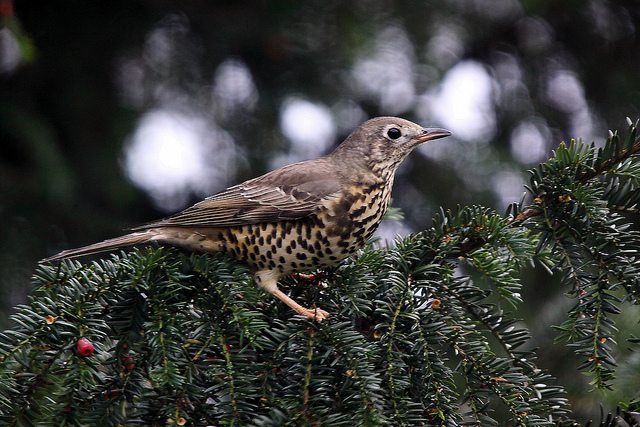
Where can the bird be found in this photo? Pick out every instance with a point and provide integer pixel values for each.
(298, 218)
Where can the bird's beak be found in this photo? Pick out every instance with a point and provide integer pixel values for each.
(431, 133)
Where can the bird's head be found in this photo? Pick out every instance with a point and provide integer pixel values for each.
(383, 142)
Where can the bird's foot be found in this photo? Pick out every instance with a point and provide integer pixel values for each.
(269, 282)
(317, 314)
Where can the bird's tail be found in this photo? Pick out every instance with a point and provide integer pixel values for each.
(132, 239)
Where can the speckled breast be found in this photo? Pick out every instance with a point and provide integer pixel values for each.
(339, 228)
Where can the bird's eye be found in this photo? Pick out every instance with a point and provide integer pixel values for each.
(394, 133)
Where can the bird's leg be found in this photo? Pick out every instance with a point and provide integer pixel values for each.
(268, 281)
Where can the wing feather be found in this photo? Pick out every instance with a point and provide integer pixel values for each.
(291, 192)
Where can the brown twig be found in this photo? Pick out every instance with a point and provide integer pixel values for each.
(526, 214)
(606, 164)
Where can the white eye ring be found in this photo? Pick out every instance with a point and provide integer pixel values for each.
(394, 133)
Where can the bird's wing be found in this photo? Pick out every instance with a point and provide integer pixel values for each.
(288, 193)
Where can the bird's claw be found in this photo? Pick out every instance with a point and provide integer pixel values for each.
(317, 314)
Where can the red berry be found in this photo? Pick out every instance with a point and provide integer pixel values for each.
(6, 8)
(84, 347)
(128, 363)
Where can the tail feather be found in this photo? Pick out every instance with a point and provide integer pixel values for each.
(106, 245)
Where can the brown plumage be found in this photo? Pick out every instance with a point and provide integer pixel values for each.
(297, 218)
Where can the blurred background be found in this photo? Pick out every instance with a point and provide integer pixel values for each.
(114, 113)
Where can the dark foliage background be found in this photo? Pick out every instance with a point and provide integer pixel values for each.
(249, 86)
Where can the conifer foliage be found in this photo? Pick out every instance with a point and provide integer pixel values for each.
(159, 337)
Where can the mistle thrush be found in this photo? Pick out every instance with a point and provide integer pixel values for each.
(297, 218)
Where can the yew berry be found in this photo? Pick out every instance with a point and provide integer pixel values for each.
(84, 347)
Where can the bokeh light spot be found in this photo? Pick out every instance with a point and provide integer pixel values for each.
(464, 102)
(387, 74)
(529, 142)
(309, 126)
(171, 156)
(233, 87)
